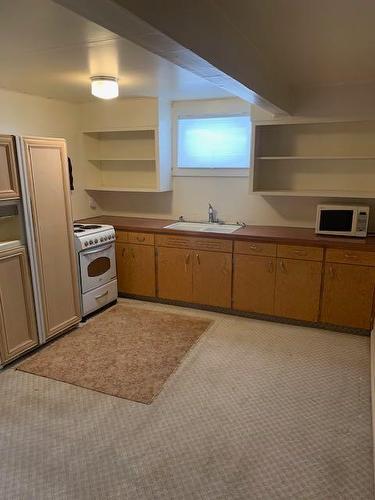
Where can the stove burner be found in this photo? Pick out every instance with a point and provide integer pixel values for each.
(91, 226)
(79, 230)
(78, 225)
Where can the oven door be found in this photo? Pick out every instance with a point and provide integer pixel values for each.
(97, 266)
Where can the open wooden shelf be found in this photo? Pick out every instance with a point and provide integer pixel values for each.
(329, 159)
(318, 194)
(271, 158)
(122, 159)
(126, 189)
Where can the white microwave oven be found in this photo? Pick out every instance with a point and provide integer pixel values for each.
(342, 220)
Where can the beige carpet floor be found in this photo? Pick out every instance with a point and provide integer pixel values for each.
(125, 352)
(256, 410)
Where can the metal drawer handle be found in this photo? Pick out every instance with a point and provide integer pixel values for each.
(300, 252)
(283, 266)
(141, 239)
(198, 258)
(102, 295)
(187, 259)
(351, 256)
(97, 250)
(254, 247)
(332, 272)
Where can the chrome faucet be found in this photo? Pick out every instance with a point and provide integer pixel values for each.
(211, 213)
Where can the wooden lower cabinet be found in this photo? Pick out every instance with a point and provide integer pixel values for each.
(212, 278)
(254, 283)
(18, 331)
(262, 278)
(136, 269)
(196, 276)
(297, 290)
(348, 295)
(175, 274)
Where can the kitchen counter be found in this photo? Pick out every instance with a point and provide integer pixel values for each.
(278, 234)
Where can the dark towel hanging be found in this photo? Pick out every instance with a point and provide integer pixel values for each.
(70, 166)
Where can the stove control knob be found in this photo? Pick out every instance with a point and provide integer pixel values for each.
(96, 240)
(105, 238)
(86, 243)
(91, 242)
(101, 239)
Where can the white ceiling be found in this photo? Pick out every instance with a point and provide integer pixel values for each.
(50, 51)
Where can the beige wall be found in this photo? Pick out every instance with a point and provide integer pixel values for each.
(29, 115)
(23, 114)
(231, 197)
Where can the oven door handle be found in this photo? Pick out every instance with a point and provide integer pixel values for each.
(97, 250)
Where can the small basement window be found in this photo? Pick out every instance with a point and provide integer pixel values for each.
(212, 143)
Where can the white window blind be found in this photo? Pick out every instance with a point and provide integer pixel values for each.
(213, 142)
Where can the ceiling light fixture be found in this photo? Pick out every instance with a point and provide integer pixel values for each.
(104, 87)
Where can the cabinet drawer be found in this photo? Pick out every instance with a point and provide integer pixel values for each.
(350, 257)
(166, 240)
(299, 252)
(213, 244)
(133, 237)
(255, 248)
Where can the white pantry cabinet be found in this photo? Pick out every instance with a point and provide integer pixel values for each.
(52, 228)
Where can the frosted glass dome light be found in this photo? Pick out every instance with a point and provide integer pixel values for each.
(104, 87)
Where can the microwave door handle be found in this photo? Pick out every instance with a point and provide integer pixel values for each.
(97, 250)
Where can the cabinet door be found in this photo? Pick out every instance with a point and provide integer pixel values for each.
(348, 295)
(17, 317)
(297, 291)
(136, 269)
(212, 278)
(47, 171)
(175, 276)
(9, 187)
(254, 283)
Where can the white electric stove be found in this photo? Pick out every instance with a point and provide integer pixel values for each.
(96, 256)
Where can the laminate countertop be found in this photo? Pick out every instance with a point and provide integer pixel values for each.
(278, 234)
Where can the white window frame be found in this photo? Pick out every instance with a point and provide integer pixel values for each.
(212, 171)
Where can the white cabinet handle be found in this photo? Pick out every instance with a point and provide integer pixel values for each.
(351, 256)
(332, 272)
(187, 259)
(101, 295)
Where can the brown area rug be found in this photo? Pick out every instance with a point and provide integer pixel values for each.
(125, 351)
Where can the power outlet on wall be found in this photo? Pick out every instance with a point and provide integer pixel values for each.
(92, 204)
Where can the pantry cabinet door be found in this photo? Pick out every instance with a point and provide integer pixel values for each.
(18, 331)
(175, 275)
(212, 278)
(136, 269)
(9, 186)
(47, 172)
(348, 295)
(297, 291)
(254, 283)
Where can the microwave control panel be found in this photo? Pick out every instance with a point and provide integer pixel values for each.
(362, 222)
